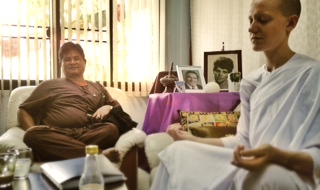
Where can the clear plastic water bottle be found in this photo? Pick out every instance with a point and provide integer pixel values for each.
(91, 178)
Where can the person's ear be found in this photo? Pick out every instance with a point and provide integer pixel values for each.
(293, 21)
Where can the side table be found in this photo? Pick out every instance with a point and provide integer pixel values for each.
(162, 109)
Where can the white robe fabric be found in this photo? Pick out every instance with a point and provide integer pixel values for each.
(281, 108)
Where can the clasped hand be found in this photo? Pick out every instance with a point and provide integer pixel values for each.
(253, 159)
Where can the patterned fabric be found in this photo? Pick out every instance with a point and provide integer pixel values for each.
(209, 124)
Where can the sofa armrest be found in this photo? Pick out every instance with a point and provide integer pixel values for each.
(127, 145)
(128, 140)
(154, 144)
(12, 138)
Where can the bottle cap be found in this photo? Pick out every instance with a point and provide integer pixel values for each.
(92, 149)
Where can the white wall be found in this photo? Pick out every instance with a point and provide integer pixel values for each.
(217, 21)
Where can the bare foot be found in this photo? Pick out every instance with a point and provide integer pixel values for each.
(112, 154)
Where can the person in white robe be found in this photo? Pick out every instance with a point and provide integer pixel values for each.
(277, 145)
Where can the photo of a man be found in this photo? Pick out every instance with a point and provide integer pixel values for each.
(222, 67)
(218, 65)
(192, 80)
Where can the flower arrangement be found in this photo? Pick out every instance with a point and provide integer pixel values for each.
(234, 82)
(235, 77)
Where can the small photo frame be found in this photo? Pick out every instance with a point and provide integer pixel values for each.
(219, 64)
(180, 87)
(193, 78)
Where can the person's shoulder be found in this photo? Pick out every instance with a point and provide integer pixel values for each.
(97, 85)
(58, 80)
(306, 63)
(51, 82)
(304, 58)
(48, 85)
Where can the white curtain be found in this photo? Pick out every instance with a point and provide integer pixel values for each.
(138, 44)
(217, 21)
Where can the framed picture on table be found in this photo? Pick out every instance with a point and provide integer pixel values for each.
(193, 78)
(219, 65)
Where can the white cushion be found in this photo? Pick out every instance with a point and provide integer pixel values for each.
(12, 139)
(155, 143)
(17, 96)
(128, 140)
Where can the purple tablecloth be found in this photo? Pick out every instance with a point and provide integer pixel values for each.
(162, 108)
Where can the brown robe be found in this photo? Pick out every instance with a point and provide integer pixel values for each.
(59, 108)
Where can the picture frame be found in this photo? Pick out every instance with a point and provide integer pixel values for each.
(222, 61)
(180, 87)
(189, 74)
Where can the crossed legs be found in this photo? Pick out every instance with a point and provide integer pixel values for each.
(52, 144)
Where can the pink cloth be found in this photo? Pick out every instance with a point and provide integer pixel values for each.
(163, 108)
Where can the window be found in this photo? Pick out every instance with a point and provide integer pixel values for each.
(24, 45)
(121, 40)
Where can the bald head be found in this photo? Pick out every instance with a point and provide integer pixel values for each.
(290, 7)
(286, 7)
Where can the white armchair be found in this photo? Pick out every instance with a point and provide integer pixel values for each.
(127, 144)
(154, 144)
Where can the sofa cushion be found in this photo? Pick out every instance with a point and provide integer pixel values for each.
(209, 124)
(155, 143)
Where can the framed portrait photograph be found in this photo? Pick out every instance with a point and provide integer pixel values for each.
(219, 65)
(193, 78)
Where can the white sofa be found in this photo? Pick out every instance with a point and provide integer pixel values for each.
(154, 144)
(127, 144)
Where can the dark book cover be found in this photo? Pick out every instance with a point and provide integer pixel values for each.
(65, 174)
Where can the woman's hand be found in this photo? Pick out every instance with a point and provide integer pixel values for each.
(176, 132)
(102, 113)
(253, 159)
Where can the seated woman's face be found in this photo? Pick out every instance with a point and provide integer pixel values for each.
(220, 75)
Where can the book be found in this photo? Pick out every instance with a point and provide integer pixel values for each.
(66, 174)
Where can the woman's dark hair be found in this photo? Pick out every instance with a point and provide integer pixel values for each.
(68, 46)
(223, 63)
